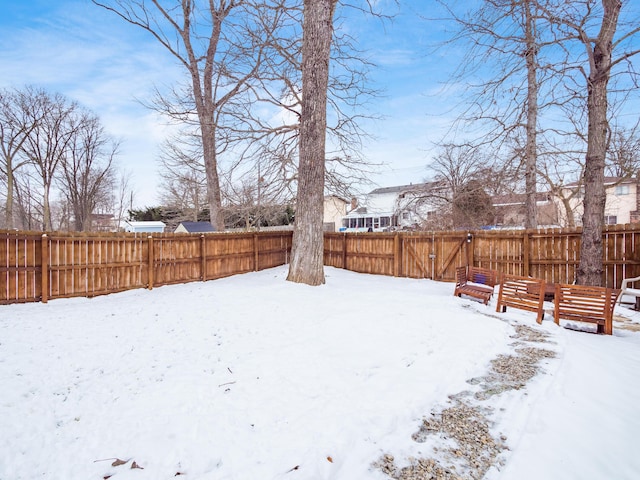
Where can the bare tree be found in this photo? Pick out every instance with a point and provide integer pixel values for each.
(623, 153)
(17, 121)
(87, 172)
(307, 255)
(121, 200)
(221, 44)
(459, 192)
(504, 105)
(531, 43)
(579, 20)
(271, 132)
(183, 185)
(48, 143)
(28, 202)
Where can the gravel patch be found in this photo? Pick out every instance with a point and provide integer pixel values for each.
(465, 446)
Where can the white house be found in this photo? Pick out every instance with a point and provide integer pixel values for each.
(621, 205)
(390, 208)
(150, 227)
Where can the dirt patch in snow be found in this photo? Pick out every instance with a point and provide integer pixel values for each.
(463, 443)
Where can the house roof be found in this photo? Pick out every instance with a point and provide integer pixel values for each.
(145, 224)
(404, 188)
(517, 199)
(326, 197)
(607, 181)
(197, 227)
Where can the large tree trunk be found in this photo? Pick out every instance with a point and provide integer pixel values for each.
(307, 258)
(203, 91)
(591, 266)
(214, 196)
(9, 222)
(47, 225)
(531, 179)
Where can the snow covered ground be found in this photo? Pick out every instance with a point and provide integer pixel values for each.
(252, 377)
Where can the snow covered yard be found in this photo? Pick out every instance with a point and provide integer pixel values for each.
(252, 377)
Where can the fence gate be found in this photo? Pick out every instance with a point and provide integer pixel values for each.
(434, 256)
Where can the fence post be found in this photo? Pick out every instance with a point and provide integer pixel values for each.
(44, 267)
(255, 252)
(525, 256)
(150, 260)
(397, 255)
(203, 259)
(344, 250)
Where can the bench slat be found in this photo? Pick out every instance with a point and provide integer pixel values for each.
(463, 287)
(586, 304)
(524, 293)
(482, 275)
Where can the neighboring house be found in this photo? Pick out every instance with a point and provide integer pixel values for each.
(391, 208)
(622, 203)
(415, 205)
(150, 227)
(510, 210)
(335, 208)
(103, 222)
(194, 227)
(412, 206)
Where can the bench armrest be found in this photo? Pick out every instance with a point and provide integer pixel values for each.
(627, 281)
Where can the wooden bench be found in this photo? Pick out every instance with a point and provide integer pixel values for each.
(463, 287)
(525, 293)
(483, 275)
(583, 303)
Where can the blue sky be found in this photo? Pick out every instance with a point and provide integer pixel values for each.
(93, 57)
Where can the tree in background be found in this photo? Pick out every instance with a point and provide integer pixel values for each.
(623, 152)
(48, 144)
(16, 124)
(276, 138)
(184, 182)
(307, 254)
(472, 206)
(87, 174)
(504, 41)
(57, 162)
(222, 45)
(594, 27)
(463, 179)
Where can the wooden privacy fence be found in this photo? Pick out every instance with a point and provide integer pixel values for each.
(38, 267)
(549, 254)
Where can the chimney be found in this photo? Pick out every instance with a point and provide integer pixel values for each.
(354, 203)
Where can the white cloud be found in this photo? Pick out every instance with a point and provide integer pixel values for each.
(106, 65)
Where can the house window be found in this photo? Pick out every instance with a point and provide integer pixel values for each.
(622, 189)
(610, 219)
